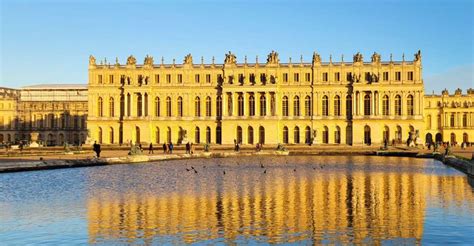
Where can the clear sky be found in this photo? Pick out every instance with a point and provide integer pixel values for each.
(50, 41)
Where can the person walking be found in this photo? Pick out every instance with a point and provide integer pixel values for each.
(165, 148)
(150, 149)
(96, 148)
(171, 148)
(188, 148)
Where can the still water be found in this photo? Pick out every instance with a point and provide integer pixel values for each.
(296, 199)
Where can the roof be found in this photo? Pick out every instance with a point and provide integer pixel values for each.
(55, 86)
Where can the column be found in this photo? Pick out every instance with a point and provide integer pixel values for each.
(224, 104)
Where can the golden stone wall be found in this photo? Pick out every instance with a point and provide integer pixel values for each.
(334, 102)
(8, 113)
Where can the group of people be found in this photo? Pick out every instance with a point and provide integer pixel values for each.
(189, 148)
(168, 148)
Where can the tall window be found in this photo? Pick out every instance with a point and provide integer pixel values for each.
(296, 106)
(197, 78)
(285, 106)
(111, 107)
(180, 106)
(367, 104)
(296, 77)
(208, 78)
(157, 107)
(410, 110)
(168, 106)
(111, 135)
(349, 106)
(337, 106)
(145, 101)
(410, 75)
(180, 78)
(157, 135)
(219, 106)
(229, 104)
(325, 135)
(385, 105)
(385, 76)
(261, 135)
(122, 105)
(100, 135)
(337, 135)
(325, 77)
(251, 105)
(308, 77)
(398, 76)
(197, 135)
(218, 135)
(240, 105)
(307, 106)
(272, 104)
(197, 107)
(129, 104)
(239, 135)
(100, 109)
(250, 135)
(452, 120)
(325, 106)
(139, 105)
(398, 105)
(285, 77)
(285, 135)
(263, 105)
(208, 134)
(208, 107)
(296, 135)
(464, 120)
(337, 76)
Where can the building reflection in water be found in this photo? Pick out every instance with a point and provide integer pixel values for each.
(364, 201)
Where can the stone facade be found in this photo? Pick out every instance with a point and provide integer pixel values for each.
(57, 113)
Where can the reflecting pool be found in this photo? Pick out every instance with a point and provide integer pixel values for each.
(293, 199)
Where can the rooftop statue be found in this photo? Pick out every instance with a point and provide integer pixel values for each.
(92, 60)
(273, 58)
(148, 60)
(376, 57)
(418, 56)
(188, 59)
(230, 58)
(131, 60)
(458, 91)
(358, 57)
(316, 57)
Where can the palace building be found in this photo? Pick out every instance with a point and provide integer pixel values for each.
(355, 103)
(52, 114)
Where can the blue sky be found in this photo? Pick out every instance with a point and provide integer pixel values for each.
(50, 41)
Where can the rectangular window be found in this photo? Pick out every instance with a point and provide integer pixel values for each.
(252, 78)
(308, 77)
(349, 76)
(157, 78)
(398, 76)
(180, 78)
(168, 78)
(196, 78)
(296, 77)
(111, 79)
(208, 78)
(325, 77)
(337, 76)
(241, 78)
(385, 76)
(99, 79)
(263, 78)
(410, 76)
(367, 76)
(285, 77)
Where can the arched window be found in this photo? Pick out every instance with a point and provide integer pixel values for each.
(325, 106)
(452, 120)
(218, 135)
(251, 105)
(180, 107)
(337, 106)
(465, 138)
(367, 104)
(197, 107)
(272, 104)
(398, 105)
(410, 110)
(137, 134)
(208, 134)
(261, 135)
(219, 106)
(296, 135)
(157, 135)
(229, 104)
(263, 105)
(386, 134)
(197, 135)
(240, 105)
(250, 135)
(296, 106)
(208, 107)
(139, 105)
(285, 106)
(453, 138)
(168, 107)
(367, 139)
(99, 133)
(337, 135)
(111, 107)
(285, 135)
(307, 135)
(307, 106)
(325, 135)
(168, 135)
(111, 135)
(157, 107)
(385, 105)
(100, 108)
(239, 135)
(349, 106)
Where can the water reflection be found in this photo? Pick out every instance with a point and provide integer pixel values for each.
(326, 200)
